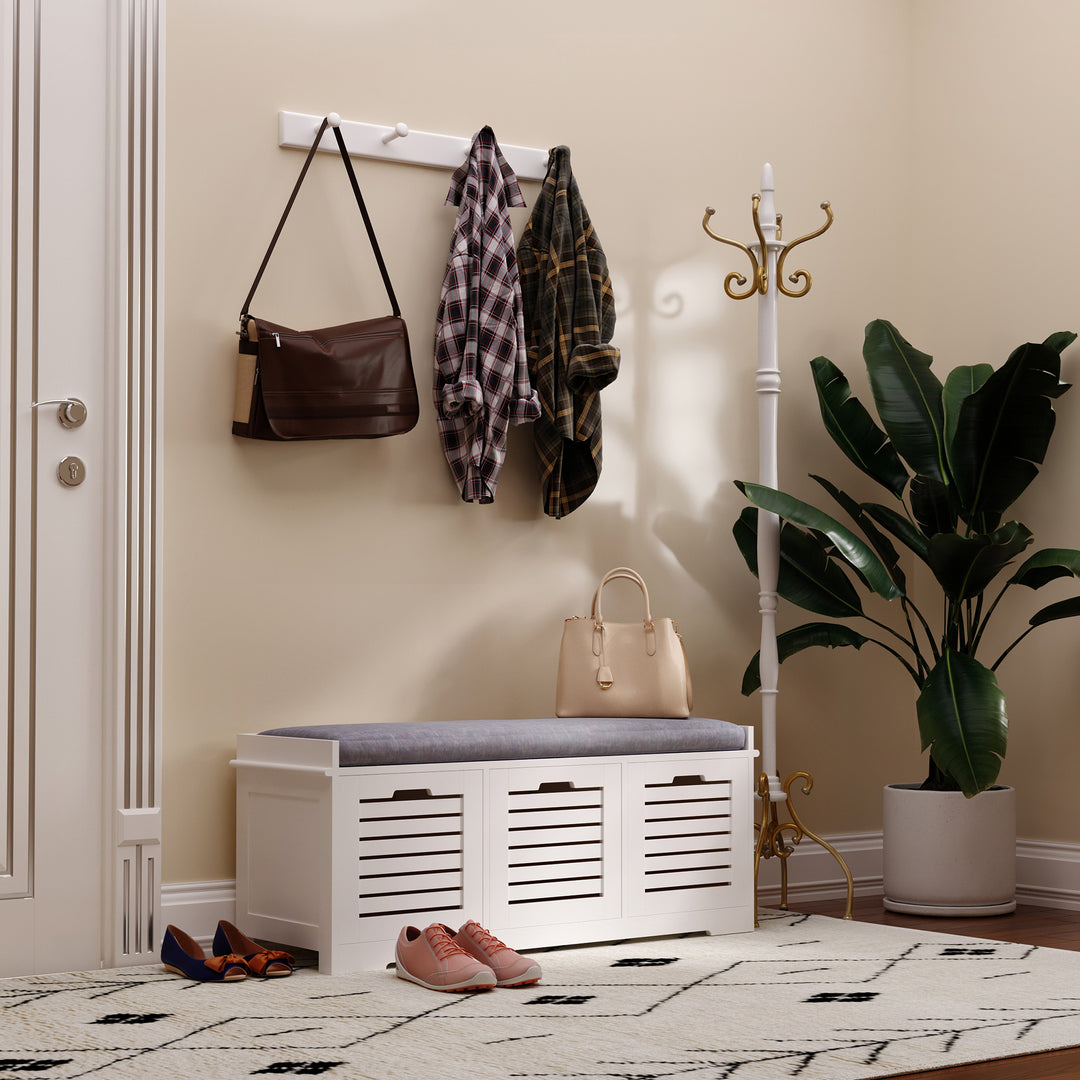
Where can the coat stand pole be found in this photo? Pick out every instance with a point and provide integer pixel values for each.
(767, 257)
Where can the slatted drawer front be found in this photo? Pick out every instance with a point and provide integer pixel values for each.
(687, 834)
(554, 843)
(411, 853)
(681, 823)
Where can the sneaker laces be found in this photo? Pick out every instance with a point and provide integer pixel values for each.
(443, 944)
(487, 940)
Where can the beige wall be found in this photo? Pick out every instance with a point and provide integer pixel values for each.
(347, 581)
(995, 190)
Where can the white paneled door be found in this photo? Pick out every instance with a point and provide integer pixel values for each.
(79, 500)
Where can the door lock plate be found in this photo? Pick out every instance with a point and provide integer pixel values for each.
(71, 471)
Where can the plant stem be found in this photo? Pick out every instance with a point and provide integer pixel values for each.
(939, 780)
(986, 619)
(888, 629)
(952, 624)
(994, 667)
(919, 676)
(909, 605)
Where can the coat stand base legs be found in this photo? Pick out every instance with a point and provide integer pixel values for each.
(771, 842)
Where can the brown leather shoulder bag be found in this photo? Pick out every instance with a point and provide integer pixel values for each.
(353, 381)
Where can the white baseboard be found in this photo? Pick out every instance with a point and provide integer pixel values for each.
(1047, 875)
(814, 874)
(196, 906)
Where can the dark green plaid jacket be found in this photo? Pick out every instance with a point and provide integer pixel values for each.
(569, 321)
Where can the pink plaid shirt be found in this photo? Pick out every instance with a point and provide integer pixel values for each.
(481, 373)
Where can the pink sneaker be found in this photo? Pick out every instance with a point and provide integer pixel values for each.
(431, 958)
(510, 968)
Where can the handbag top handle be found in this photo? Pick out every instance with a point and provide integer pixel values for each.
(611, 575)
(288, 206)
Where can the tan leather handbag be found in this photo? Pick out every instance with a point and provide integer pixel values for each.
(622, 669)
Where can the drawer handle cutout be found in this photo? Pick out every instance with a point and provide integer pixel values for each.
(678, 780)
(413, 793)
(550, 786)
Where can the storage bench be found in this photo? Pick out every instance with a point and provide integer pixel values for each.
(548, 832)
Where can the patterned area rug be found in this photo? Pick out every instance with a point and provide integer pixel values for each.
(805, 996)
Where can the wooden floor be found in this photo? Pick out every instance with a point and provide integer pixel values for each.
(1049, 927)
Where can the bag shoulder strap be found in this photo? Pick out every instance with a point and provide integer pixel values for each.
(288, 206)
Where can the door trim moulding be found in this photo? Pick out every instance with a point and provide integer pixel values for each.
(19, 197)
(134, 348)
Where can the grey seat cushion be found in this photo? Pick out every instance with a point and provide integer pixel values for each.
(519, 740)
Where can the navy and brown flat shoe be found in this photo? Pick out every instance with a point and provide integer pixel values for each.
(181, 953)
(267, 963)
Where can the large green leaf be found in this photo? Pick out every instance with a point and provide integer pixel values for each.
(1049, 564)
(907, 395)
(853, 429)
(1063, 609)
(1003, 430)
(962, 719)
(965, 565)
(807, 636)
(904, 531)
(808, 577)
(932, 506)
(1059, 342)
(847, 544)
(878, 540)
(960, 384)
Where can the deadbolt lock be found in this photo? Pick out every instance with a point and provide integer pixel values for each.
(71, 471)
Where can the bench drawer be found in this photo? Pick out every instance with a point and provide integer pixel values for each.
(553, 844)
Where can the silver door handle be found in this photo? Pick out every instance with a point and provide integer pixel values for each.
(71, 413)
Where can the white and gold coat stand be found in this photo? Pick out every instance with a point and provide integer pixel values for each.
(767, 257)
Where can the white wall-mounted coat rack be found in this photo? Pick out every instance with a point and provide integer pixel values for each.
(399, 143)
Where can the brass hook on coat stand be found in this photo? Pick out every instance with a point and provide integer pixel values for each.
(799, 274)
(761, 268)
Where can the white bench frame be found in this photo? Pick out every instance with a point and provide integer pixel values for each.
(543, 852)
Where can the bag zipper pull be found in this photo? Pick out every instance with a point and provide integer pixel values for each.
(277, 338)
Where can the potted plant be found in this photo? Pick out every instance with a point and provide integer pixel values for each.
(953, 458)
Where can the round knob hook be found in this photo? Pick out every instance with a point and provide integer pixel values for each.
(398, 131)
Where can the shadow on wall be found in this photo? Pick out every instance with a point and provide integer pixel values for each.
(660, 507)
(488, 646)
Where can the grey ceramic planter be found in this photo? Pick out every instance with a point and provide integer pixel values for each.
(947, 855)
